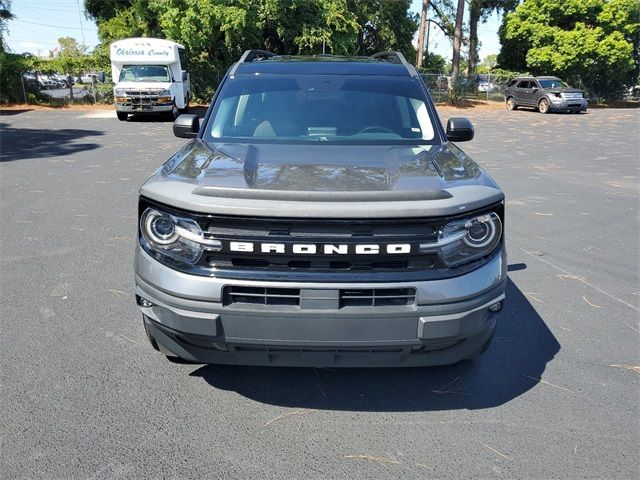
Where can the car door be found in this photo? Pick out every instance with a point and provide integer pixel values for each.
(536, 92)
(520, 91)
(526, 93)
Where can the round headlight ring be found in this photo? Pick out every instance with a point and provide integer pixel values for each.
(488, 223)
(160, 228)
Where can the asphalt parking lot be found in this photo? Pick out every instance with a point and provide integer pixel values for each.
(83, 395)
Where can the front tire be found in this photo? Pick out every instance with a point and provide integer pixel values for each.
(543, 106)
(186, 106)
(511, 104)
(174, 113)
(122, 116)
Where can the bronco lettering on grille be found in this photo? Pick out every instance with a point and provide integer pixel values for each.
(320, 249)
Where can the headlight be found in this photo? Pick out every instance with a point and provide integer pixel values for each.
(173, 236)
(119, 91)
(465, 240)
(164, 92)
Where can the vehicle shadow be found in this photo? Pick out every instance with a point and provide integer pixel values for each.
(150, 117)
(29, 143)
(521, 349)
(7, 112)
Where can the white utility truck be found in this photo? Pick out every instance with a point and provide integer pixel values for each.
(150, 76)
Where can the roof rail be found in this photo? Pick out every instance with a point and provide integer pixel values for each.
(396, 57)
(251, 56)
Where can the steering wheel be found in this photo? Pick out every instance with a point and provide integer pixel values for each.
(374, 129)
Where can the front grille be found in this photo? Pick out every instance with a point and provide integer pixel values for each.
(377, 297)
(261, 296)
(325, 262)
(142, 93)
(423, 262)
(320, 232)
(354, 297)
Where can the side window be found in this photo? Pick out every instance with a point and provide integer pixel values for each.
(512, 83)
(401, 102)
(534, 84)
(523, 84)
(183, 59)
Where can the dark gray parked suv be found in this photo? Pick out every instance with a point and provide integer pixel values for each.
(547, 94)
(321, 215)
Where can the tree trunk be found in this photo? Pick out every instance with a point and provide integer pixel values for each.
(474, 18)
(457, 43)
(421, 30)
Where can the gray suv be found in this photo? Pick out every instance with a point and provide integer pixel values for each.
(546, 94)
(321, 215)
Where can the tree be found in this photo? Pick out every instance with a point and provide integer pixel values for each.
(479, 11)
(5, 16)
(421, 32)
(489, 63)
(216, 32)
(457, 43)
(69, 47)
(384, 25)
(590, 43)
(434, 63)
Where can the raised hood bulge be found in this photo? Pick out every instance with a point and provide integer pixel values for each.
(237, 175)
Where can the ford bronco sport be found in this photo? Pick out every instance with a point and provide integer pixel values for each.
(321, 216)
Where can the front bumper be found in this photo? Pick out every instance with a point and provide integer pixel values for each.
(143, 107)
(449, 322)
(570, 104)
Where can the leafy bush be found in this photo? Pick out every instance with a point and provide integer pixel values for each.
(12, 67)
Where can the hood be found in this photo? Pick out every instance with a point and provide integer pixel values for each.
(144, 85)
(564, 90)
(321, 180)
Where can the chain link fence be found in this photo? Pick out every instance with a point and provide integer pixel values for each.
(481, 86)
(61, 90)
(65, 91)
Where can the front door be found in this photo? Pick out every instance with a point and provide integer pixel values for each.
(524, 92)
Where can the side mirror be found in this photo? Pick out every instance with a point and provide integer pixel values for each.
(535, 89)
(185, 76)
(459, 129)
(186, 125)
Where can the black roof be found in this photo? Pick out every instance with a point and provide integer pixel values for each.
(386, 64)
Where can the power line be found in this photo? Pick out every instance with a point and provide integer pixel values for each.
(54, 26)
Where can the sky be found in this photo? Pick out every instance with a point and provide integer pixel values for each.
(487, 35)
(39, 24)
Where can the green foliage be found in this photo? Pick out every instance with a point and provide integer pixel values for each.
(69, 47)
(216, 32)
(590, 43)
(488, 64)
(384, 25)
(434, 63)
(12, 67)
(5, 16)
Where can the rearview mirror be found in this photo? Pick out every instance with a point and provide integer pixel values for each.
(186, 125)
(459, 129)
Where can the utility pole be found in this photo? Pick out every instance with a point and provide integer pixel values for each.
(421, 31)
(81, 27)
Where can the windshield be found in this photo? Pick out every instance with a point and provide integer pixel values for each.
(145, 73)
(321, 108)
(553, 83)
